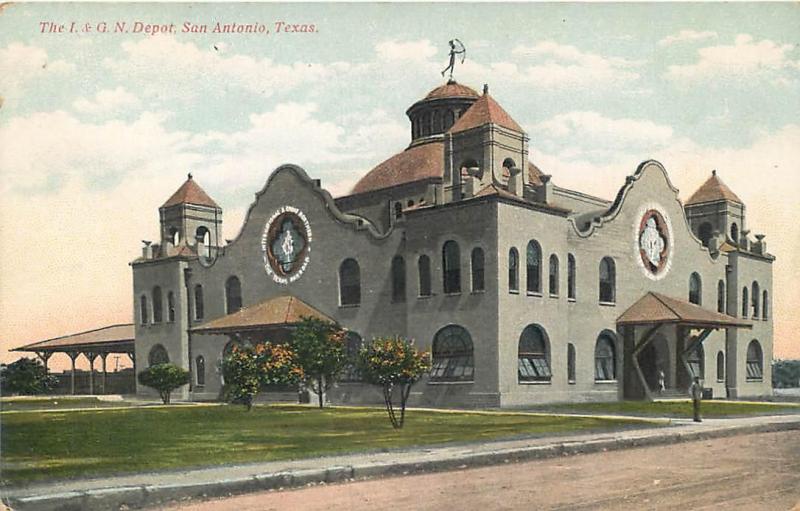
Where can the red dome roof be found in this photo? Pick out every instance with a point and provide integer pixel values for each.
(452, 89)
(414, 164)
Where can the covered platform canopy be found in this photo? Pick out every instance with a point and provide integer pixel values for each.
(91, 344)
(273, 314)
(652, 312)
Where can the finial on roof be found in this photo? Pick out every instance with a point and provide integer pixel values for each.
(486, 88)
(714, 172)
(190, 175)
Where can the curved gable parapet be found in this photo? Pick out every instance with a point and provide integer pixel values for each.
(356, 222)
(619, 201)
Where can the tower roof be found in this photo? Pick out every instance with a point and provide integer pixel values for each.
(190, 193)
(713, 190)
(452, 89)
(484, 111)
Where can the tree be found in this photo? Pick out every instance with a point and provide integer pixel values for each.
(26, 376)
(319, 346)
(164, 378)
(393, 362)
(246, 369)
(786, 373)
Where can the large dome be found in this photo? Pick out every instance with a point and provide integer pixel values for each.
(416, 163)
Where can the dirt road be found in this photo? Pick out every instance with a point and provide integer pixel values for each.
(744, 472)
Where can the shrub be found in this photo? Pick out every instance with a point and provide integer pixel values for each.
(393, 362)
(246, 369)
(319, 346)
(26, 376)
(164, 378)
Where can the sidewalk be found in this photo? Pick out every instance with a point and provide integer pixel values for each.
(150, 489)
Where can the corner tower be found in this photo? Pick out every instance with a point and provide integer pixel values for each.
(190, 218)
(485, 147)
(716, 214)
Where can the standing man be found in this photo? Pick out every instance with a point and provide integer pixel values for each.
(696, 391)
(662, 386)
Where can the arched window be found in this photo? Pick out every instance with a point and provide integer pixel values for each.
(158, 308)
(233, 294)
(174, 236)
(605, 364)
(398, 210)
(451, 263)
(695, 358)
(765, 306)
(533, 359)
(398, 279)
(720, 366)
(143, 309)
(721, 296)
(450, 120)
(755, 361)
(199, 306)
(695, 289)
(745, 302)
(349, 283)
(735, 233)
(756, 290)
(571, 363)
(170, 306)
(452, 355)
(553, 281)
(424, 269)
(534, 267)
(476, 258)
(570, 276)
(705, 232)
(158, 355)
(437, 121)
(202, 235)
(608, 280)
(513, 270)
(352, 345)
(200, 370)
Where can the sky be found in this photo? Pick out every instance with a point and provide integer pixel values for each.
(99, 126)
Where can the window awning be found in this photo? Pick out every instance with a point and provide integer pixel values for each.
(108, 339)
(655, 308)
(276, 312)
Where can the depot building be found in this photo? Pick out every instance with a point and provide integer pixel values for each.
(523, 291)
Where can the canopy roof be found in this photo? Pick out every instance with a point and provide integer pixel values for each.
(275, 312)
(109, 339)
(654, 308)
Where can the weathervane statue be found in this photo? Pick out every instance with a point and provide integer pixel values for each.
(460, 50)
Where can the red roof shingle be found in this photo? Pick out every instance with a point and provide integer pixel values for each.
(278, 311)
(190, 193)
(414, 164)
(713, 190)
(484, 111)
(452, 89)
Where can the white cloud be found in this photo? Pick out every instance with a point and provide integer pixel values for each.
(594, 127)
(165, 64)
(106, 101)
(409, 50)
(744, 58)
(687, 36)
(559, 65)
(21, 64)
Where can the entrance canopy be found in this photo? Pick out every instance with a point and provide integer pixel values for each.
(645, 321)
(278, 312)
(656, 309)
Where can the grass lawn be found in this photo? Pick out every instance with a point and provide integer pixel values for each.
(675, 408)
(61, 445)
(55, 403)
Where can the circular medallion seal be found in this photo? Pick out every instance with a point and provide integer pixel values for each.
(286, 244)
(654, 241)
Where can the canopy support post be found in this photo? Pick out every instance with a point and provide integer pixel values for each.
(72, 355)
